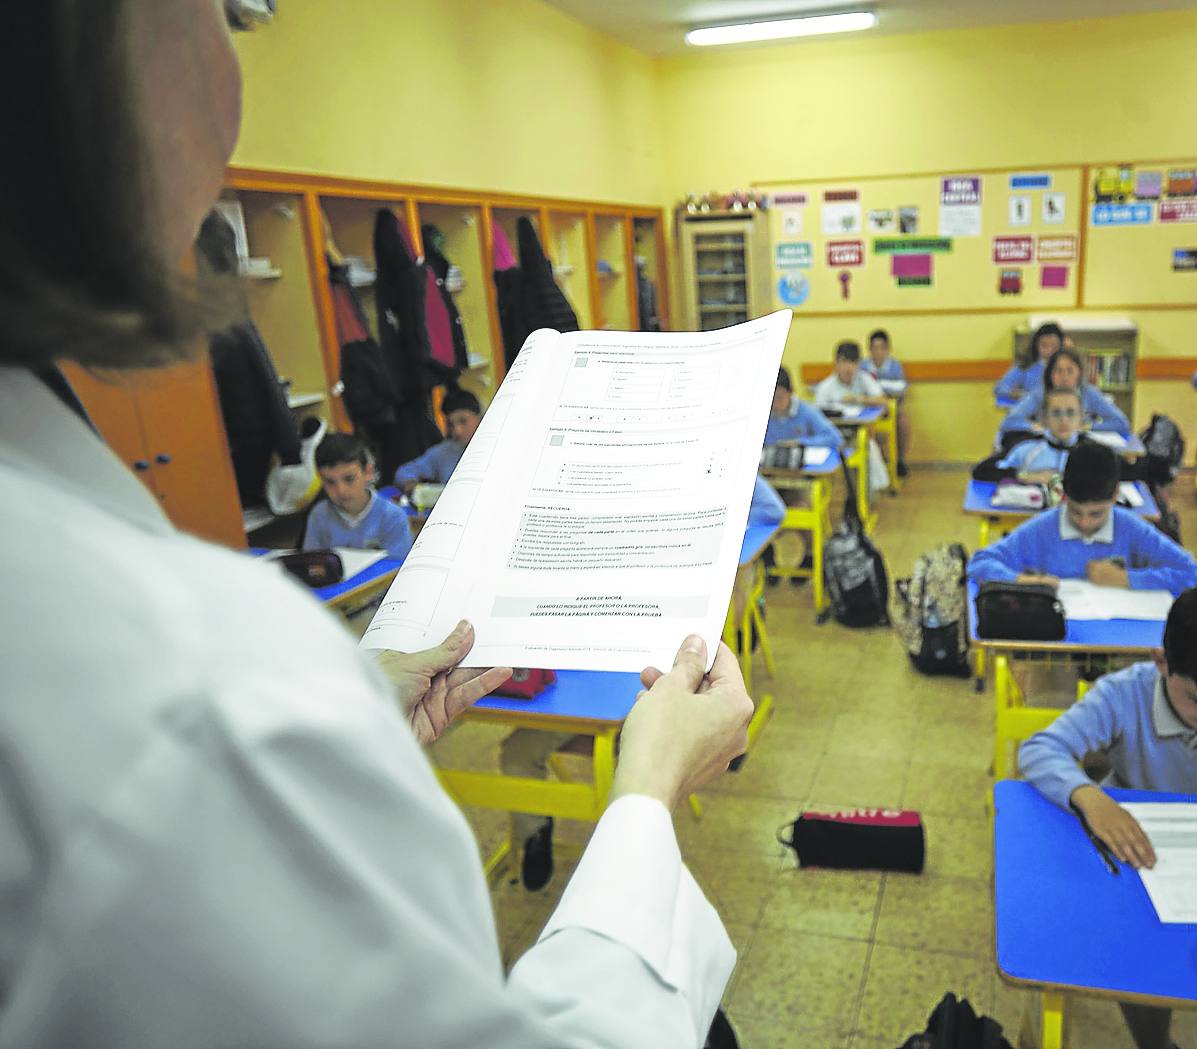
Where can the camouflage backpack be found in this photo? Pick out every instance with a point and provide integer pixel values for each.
(932, 617)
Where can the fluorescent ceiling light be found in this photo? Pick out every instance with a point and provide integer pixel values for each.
(813, 25)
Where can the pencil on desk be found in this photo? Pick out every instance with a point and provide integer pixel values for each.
(1103, 850)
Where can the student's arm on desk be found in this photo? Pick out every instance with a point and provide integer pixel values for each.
(1009, 385)
(1006, 561)
(1050, 761)
(420, 468)
(818, 428)
(1169, 566)
(1109, 416)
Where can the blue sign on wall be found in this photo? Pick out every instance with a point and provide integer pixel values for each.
(1030, 182)
(793, 288)
(1122, 214)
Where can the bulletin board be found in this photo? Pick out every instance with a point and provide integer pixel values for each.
(951, 241)
(1141, 246)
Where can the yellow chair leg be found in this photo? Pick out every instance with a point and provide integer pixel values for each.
(695, 806)
(1053, 1032)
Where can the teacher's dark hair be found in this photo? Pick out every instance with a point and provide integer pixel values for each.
(81, 277)
(1180, 636)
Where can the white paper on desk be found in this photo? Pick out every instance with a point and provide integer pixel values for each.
(1112, 440)
(812, 456)
(352, 559)
(1171, 827)
(597, 515)
(1128, 493)
(1084, 600)
(847, 411)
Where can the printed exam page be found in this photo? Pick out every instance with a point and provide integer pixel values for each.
(597, 516)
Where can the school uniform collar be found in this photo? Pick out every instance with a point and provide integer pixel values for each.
(42, 434)
(1163, 717)
(1105, 534)
(355, 520)
(1061, 446)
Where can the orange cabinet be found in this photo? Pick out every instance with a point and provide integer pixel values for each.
(166, 425)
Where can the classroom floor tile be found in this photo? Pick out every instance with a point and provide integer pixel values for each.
(835, 959)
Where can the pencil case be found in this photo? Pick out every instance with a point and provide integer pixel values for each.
(314, 567)
(1019, 612)
(859, 839)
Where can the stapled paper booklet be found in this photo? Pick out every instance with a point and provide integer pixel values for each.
(597, 515)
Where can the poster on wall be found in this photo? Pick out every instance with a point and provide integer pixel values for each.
(1031, 180)
(1184, 260)
(912, 271)
(796, 254)
(843, 253)
(908, 219)
(1139, 214)
(1057, 249)
(1182, 210)
(1020, 211)
(1182, 182)
(960, 206)
(883, 220)
(1011, 250)
(1010, 282)
(1053, 276)
(793, 288)
(911, 245)
(791, 220)
(841, 212)
(1053, 208)
(1149, 184)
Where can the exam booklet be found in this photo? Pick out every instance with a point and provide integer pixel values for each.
(596, 517)
(1171, 827)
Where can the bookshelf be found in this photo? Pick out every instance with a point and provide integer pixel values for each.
(725, 267)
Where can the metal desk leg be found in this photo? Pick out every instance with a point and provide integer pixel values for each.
(862, 476)
(1055, 1016)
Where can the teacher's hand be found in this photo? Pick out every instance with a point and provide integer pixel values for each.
(686, 728)
(431, 689)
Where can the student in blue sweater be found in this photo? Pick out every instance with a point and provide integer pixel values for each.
(1028, 373)
(353, 515)
(791, 419)
(1144, 719)
(1065, 370)
(1040, 460)
(463, 414)
(883, 366)
(1088, 537)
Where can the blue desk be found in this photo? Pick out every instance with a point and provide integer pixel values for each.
(588, 696)
(1006, 403)
(1065, 924)
(356, 588)
(978, 498)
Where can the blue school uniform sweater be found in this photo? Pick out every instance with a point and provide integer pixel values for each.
(803, 422)
(435, 465)
(890, 371)
(767, 507)
(383, 526)
(1106, 415)
(1017, 381)
(1153, 561)
(1126, 716)
(1041, 454)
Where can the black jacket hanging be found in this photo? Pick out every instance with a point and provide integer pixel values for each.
(542, 303)
(257, 419)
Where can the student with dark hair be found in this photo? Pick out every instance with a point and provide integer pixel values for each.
(848, 383)
(793, 419)
(240, 840)
(1040, 460)
(1027, 372)
(463, 414)
(1144, 720)
(1088, 537)
(353, 515)
(883, 366)
(1065, 371)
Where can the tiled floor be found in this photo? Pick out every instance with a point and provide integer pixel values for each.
(830, 959)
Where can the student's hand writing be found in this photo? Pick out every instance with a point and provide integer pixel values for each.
(431, 689)
(1114, 825)
(686, 728)
(1107, 573)
(1036, 577)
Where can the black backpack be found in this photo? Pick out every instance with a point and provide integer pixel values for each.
(854, 571)
(955, 1025)
(1165, 446)
(932, 612)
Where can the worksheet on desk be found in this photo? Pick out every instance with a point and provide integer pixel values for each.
(596, 518)
(1171, 827)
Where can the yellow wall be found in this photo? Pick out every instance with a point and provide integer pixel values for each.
(1015, 96)
(503, 95)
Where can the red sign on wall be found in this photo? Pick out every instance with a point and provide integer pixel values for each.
(845, 253)
(1184, 210)
(1011, 250)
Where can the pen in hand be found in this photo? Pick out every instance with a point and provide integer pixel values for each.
(1102, 849)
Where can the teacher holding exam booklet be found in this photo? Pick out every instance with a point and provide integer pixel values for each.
(217, 827)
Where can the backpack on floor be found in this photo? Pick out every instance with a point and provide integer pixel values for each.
(854, 571)
(955, 1025)
(932, 612)
(1165, 446)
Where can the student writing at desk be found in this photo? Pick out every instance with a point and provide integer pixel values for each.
(462, 414)
(1027, 372)
(883, 366)
(353, 515)
(848, 383)
(1144, 719)
(1088, 537)
(1065, 370)
(792, 419)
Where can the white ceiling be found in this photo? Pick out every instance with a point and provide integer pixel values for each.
(658, 26)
